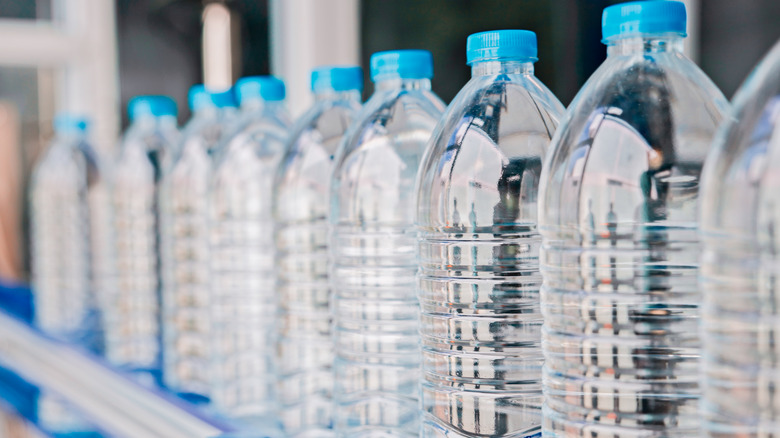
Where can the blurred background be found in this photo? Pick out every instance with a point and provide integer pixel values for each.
(92, 56)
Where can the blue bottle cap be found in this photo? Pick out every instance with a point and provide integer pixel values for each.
(406, 64)
(508, 45)
(635, 18)
(267, 88)
(337, 78)
(199, 97)
(70, 123)
(155, 106)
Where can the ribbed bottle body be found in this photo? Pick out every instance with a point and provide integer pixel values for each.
(620, 254)
(132, 312)
(69, 257)
(479, 248)
(186, 260)
(60, 242)
(739, 271)
(304, 345)
(374, 263)
(243, 297)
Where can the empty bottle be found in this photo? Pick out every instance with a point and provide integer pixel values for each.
(373, 247)
(618, 216)
(740, 220)
(243, 297)
(185, 245)
(479, 275)
(62, 275)
(305, 348)
(132, 312)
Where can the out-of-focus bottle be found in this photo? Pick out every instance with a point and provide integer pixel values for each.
(618, 216)
(740, 221)
(479, 275)
(243, 298)
(185, 245)
(373, 248)
(131, 311)
(302, 186)
(65, 187)
(63, 278)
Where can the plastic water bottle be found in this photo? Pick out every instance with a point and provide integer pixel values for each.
(305, 348)
(132, 312)
(62, 275)
(243, 297)
(373, 246)
(64, 279)
(185, 245)
(618, 217)
(740, 219)
(479, 275)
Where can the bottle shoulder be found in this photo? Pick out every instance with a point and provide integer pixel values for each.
(68, 160)
(392, 123)
(632, 146)
(261, 136)
(498, 118)
(641, 80)
(315, 136)
(502, 104)
(322, 114)
(739, 182)
(481, 169)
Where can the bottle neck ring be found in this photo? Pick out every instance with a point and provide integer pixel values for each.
(502, 67)
(337, 95)
(394, 83)
(647, 43)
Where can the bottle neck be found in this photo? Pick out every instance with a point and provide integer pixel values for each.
(149, 120)
(69, 136)
(337, 95)
(167, 122)
(651, 43)
(396, 83)
(499, 67)
(206, 111)
(253, 105)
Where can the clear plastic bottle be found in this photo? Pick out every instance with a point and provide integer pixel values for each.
(477, 217)
(618, 216)
(373, 246)
(243, 297)
(302, 185)
(65, 187)
(62, 273)
(185, 245)
(131, 313)
(739, 221)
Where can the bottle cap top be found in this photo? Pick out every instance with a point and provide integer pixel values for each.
(406, 64)
(266, 88)
(510, 44)
(155, 106)
(199, 97)
(337, 78)
(636, 18)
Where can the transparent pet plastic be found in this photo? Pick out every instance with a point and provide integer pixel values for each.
(185, 255)
(243, 297)
(618, 213)
(132, 312)
(479, 275)
(373, 251)
(739, 272)
(302, 186)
